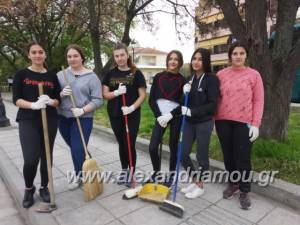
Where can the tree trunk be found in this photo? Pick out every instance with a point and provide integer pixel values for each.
(95, 37)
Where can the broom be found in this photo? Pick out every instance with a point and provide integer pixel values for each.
(92, 187)
(47, 207)
(171, 206)
(133, 192)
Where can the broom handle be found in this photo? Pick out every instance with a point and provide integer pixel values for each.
(128, 138)
(47, 148)
(87, 156)
(179, 152)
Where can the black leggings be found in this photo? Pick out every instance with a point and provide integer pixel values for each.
(157, 134)
(32, 142)
(236, 147)
(118, 126)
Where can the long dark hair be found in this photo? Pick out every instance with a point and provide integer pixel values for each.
(179, 56)
(206, 64)
(130, 64)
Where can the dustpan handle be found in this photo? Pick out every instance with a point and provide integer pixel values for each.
(87, 156)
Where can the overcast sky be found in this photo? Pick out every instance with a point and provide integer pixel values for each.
(164, 37)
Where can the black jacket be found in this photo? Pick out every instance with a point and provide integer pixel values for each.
(203, 99)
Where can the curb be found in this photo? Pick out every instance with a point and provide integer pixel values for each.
(14, 182)
(279, 190)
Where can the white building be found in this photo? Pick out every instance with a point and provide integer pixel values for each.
(149, 60)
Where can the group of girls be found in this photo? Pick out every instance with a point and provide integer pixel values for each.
(232, 100)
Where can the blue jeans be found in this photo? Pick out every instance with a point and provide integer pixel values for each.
(68, 129)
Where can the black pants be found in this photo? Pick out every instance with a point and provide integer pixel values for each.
(32, 142)
(236, 147)
(118, 126)
(200, 132)
(156, 137)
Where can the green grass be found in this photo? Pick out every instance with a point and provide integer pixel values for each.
(283, 156)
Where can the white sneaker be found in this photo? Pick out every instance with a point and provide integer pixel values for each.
(188, 188)
(195, 193)
(76, 183)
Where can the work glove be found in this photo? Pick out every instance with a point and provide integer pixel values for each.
(187, 88)
(39, 104)
(166, 118)
(186, 111)
(77, 112)
(253, 133)
(67, 91)
(121, 90)
(46, 99)
(127, 110)
(162, 122)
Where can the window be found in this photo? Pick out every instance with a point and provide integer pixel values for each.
(220, 49)
(149, 60)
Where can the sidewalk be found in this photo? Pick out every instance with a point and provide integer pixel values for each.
(109, 208)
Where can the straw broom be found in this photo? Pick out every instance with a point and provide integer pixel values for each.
(91, 187)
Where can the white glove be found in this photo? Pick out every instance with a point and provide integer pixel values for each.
(39, 104)
(127, 110)
(187, 88)
(46, 99)
(167, 117)
(253, 133)
(67, 91)
(121, 90)
(161, 122)
(77, 112)
(186, 111)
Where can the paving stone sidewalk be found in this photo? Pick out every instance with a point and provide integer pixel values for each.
(109, 208)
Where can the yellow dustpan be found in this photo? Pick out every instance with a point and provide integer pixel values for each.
(154, 192)
(92, 187)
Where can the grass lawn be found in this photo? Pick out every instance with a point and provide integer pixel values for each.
(266, 154)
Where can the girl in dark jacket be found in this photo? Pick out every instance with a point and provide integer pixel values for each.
(203, 88)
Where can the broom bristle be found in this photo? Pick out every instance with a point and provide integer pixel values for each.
(92, 187)
(173, 208)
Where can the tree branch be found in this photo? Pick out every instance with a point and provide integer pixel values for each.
(233, 19)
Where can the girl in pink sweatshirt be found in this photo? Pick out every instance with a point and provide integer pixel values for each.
(237, 120)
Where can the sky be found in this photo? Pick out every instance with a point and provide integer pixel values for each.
(164, 37)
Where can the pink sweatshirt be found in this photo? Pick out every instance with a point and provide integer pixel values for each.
(242, 96)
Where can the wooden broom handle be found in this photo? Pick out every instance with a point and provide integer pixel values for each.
(47, 148)
(87, 156)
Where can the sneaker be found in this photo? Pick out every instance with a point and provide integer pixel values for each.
(44, 194)
(195, 193)
(189, 188)
(76, 183)
(230, 191)
(245, 202)
(28, 199)
(122, 177)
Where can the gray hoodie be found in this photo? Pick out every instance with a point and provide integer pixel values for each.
(86, 89)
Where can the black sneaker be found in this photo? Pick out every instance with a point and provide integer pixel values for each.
(245, 202)
(230, 191)
(28, 199)
(44, 194)
(122, 177)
